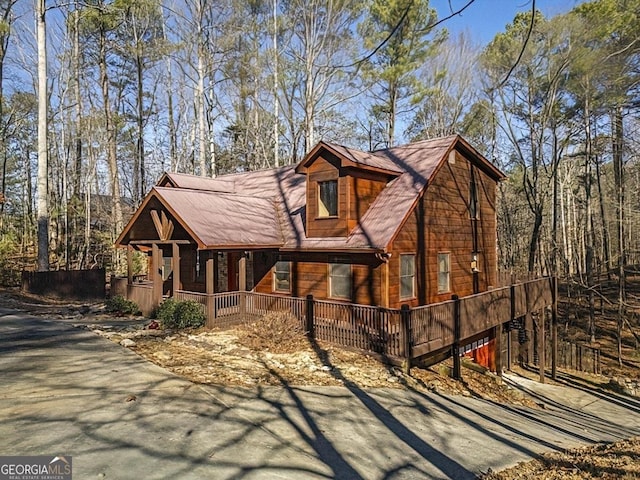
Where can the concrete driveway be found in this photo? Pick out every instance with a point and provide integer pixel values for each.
(64, 391)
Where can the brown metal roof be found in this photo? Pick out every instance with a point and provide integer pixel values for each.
(366, 159)
(268, 207)
(223, 220)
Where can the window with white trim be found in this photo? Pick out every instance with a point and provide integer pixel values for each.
(444, 270)
(407, 275)
(340, 280)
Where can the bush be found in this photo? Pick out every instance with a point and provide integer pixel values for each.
(187, 314)
(165, 311)
(121, 306)
(277, 332)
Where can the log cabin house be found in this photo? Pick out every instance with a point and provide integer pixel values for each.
(360, 234)
(412, 225)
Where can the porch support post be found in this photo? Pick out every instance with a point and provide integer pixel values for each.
(385, 284)
(242, 272)
(175, 266)
(129, 265)
(210, 289)
(156, 274)
(209, 284)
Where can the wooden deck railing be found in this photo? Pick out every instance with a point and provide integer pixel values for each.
(432, 327)
(142, 294)
(393, 333)
(373, 329)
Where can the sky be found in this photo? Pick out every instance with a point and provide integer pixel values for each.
(483, 19)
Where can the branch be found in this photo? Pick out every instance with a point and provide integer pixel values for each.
(398, 25)
(524, 45)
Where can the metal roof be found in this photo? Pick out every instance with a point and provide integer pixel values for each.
(268, 207)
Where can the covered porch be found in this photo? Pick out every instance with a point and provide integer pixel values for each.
(198, 241)
(176, 267)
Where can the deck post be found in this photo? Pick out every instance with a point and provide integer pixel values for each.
(554, 327)
(405, 325)
(455, 348)
(210, 290)
(175, 267)
(309, 317)
(129, 265)
(156, 274)
(509, 352)
(498, 348)
(512, 294)
(530, 329)
(541, 344)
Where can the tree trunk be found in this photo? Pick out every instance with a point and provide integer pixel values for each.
(43, 184)
(200, 94)
(142, 187)
(618, 168)
(173, 142)
(112, 146)
(535, 239)
(605, 228)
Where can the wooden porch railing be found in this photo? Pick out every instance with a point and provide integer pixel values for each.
(394, 333)
(373, 329)
(142, 294)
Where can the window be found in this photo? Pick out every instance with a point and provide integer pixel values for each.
(340, 280)
(407, 276)
(167, 268)
(282, 277)
(443, 273)
(328, 198)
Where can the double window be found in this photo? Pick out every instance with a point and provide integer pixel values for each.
(282, 277)
(340, 280)
(328, 198)
(407, 276)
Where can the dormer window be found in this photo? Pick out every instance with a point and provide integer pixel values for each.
(328, 198)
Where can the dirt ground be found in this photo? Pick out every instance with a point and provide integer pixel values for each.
(276, 352)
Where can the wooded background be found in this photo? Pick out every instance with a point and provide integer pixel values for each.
(133, 88)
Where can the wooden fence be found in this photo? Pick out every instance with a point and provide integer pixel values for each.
(68, 284)
(398, 334)
(578, 356)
